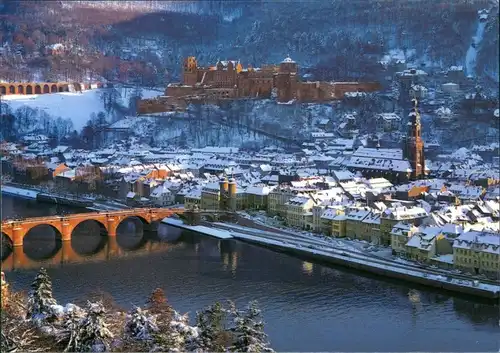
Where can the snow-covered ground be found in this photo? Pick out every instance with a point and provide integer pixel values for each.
(214, 232)
(352, 245)
(78, 107)
(12, 190)
(127, 92)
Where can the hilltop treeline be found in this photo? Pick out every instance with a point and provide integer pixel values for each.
(133, 43)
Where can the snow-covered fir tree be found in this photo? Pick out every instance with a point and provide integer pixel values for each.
(183, 337)
(91, 333)
(140, 325)
(248, 330)
(70, 324)
(40, 298)
(211, 323)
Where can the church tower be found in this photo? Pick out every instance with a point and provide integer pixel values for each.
(414, 145)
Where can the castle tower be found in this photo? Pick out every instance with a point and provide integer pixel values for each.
(190, 71)
(286, 80)
(232, 195)
(414, 149)
(223, 189)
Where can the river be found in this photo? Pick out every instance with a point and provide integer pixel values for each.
(307, 307)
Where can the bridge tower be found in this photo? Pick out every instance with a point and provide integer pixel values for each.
(232, 195)
(224, 197)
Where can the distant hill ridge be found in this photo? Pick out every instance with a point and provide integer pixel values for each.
(148, 39)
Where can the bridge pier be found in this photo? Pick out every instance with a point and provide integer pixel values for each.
(112, 248)
(112, 227)
(17, 236)
(66, 231)
(19, 258)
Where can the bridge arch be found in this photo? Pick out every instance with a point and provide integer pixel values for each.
(29, 89)
(6, 245)
(53, 89)
(12, 89)
(20, 89)
(145, 223)
(51, 252)
(89, 243)
(38, 89)
(102, 225)
(3, 89)
(46, 88)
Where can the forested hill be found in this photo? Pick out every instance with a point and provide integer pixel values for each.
(145, 41)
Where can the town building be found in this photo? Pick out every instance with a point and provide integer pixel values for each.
(388, 122)
(478, 252)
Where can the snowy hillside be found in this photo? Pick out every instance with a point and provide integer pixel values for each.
(145, 41)
(77, 107)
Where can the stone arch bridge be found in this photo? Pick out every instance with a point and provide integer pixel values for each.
(16, 230)
(33, 87)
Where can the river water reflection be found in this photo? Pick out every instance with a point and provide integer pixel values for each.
(307, 307)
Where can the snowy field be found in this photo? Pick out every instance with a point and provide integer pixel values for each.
(78, 107)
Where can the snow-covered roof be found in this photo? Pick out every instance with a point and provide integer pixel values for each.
(343, 175)
(479, 240)
(258, 190)
(424, 238)
(288, 60)
(388, 116)
(402, 213)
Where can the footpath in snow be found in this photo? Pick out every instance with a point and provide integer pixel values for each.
(18, 192)
(217, 233)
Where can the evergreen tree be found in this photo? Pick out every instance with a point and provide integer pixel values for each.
(40, 297)
(248, 330)
(91, 334)
(211, 322)
(71, 324)
(140, 326)
(157, 303)
(183, 337)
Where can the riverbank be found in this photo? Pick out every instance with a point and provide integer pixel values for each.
(317, 250)
(469, 287)
(18, 192)
(70, 200)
